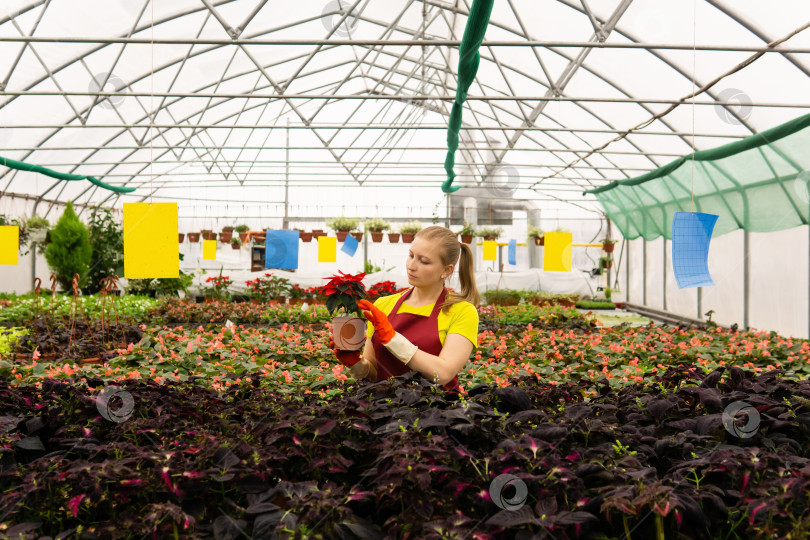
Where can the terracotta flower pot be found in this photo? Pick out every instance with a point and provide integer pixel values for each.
(227, 229)
(393, 237)
(206, 230)
(490, 238)
(607, 264)
(235, 246)
(181, 237)
(341, 235)
(539, 241)
(275, 301)
(407, 238)
(466, 238)
(376, 236)
(256, 301)
(608, 247)
(243, 237)
(209, 236)
(348, 332)
(209, 299)
(305, 236)
(296, 301)
(358, 236)
(225, 237)
(193, 237)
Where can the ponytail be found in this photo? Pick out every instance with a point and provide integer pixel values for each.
(466, 277)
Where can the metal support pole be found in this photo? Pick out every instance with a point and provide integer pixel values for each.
(284, 221)
(699, 302)
(627, 272)
(665, 273)
(644, 277)
(746, 277)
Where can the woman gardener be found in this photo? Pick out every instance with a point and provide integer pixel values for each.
(426, 328)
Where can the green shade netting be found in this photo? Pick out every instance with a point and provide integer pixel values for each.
(477, 22)
(758, 184)
(22, 166)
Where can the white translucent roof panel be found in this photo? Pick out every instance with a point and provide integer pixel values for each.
(223, 101)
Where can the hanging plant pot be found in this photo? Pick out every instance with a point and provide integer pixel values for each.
(234, 245)
(608, 247)
(227, 229)
(491, 238)
(407, 238)
(209, 235)
(358, 236)
(539, 240)
(348, 332)
(607, 264)
(38, 235)
(225, 237)
(256, 301)
(393, 237)
(341, 235)
(193, 237)
(376, 236)
(305, 236)
(243, 237)
(181, 237)
(466, 238)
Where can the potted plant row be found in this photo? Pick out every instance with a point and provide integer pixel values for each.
(545, 298)
(269, 289)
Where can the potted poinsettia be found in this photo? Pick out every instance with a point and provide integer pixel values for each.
(343, 291)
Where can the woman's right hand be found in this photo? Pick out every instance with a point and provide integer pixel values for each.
(347, 358)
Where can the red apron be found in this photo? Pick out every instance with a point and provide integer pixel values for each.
(420, 330)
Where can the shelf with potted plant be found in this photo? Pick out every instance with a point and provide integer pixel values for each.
(342, 226)
(538, 235)
(466, 233)
(226, 235)
(242, 231)
(376, 226)
(605, 262)
(408, 230)
(489, 233)
(343, 292)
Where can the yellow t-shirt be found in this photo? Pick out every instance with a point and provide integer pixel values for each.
(461, 317)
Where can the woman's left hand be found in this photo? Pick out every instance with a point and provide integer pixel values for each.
(382, 326)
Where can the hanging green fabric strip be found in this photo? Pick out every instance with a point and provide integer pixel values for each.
(758, 184)
(477, 22)
(22, 166)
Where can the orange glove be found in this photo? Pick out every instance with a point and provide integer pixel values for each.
(392, 340)
(347, 358)
(382, 326)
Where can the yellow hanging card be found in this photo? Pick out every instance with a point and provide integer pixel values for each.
(327, 249)
(557, 256)
(209, 250)
(490, 250)
(9, 244)
(151, 249)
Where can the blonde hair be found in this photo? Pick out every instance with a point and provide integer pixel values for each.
(451, 251)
